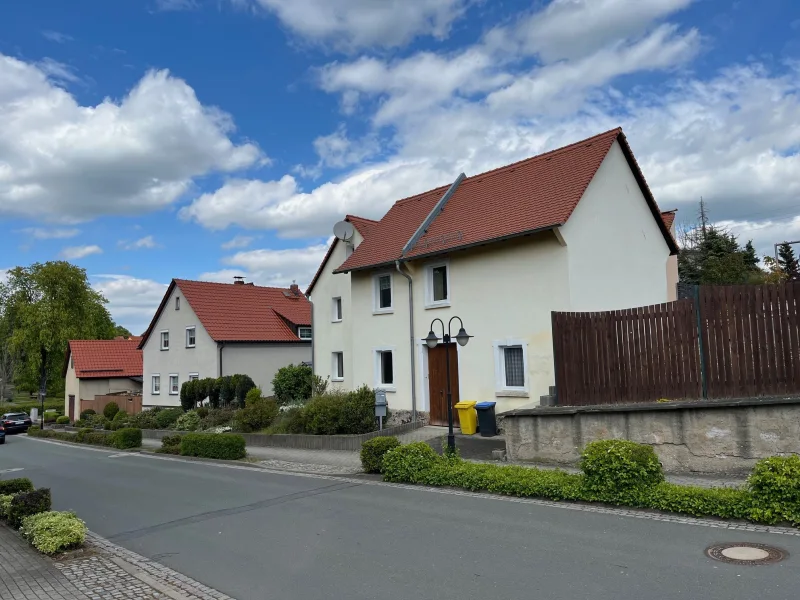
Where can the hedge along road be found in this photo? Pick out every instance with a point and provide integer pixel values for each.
(257, 535)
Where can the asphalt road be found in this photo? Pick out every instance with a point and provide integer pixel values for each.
(257, 535)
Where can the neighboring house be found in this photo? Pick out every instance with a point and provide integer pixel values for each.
(668, 216)
(575, 229)
(100, 367)
(333, 322)
(204, 329)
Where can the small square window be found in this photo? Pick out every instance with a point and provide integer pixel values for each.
(304, 333)
(337, 310)
(156, 384)
(165, 340)
(174, 388)
(386, 367)
(511, 368)
(190, 337)
(194, 376)
(177, 302)
(338, 366)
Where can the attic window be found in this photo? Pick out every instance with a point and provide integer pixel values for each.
(177, 302)
(304, 333)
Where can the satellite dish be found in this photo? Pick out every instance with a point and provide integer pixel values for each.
(344, 230)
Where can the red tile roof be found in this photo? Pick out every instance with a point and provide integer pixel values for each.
(364, 226)
(531, 195)
(668, 217)
(94, 359)
(241, 312)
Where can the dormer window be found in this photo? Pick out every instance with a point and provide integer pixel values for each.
(304, 333)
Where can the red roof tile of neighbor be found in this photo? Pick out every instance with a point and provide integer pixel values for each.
(232, 312)
(95, 359)
(668, 217)
(363, 225)
(531, 195)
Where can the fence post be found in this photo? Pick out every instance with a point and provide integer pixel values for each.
(696, 294)
(555, 354)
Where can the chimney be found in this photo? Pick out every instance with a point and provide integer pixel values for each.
(295, 289)
(238, 280)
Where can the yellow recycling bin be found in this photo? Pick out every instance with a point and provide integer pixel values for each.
(467, 416)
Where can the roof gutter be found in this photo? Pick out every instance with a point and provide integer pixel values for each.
(397, 264)
(432, 215)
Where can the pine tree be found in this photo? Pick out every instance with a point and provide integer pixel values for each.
(788, 262)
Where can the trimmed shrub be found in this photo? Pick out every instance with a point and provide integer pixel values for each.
(242, 387)
(775, 488)
(79, 423)
(5, 505)
(120, 420)
(125, 438)
(52, 532)
(110, 409)
(147, 419)
(217, 417)
(226, 446)
(258, 415)
(166, 417)
(619, 471)
(63, 420)
(372, 452)
(171, 444)
(99, 421)
(409, 463)
(25, 504)
(15, 486)
(50, 417)
(188, 421)
(292, 384)
(252, 396)
(213, 387)
(95, 438)
(87, 412)
(727, 503)
(188, 401)
(340, 412)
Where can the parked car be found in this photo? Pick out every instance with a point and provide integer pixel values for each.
(2, 435)
(13, 422)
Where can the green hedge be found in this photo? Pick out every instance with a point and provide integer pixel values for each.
(53, 532)
(227, 446)
(15, 486)
(62, 420)
(25, 504)
(772, 496)
(372, 452)
(122, 439)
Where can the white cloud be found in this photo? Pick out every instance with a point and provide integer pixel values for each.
(350, 24)
(338, 150)
(40, 233)
(174, 5)
(61, 161)
(238, 241)
(272, 267)
(57, 71)
(131, 301)
(56, 36)
(76, 252)
(147, 242)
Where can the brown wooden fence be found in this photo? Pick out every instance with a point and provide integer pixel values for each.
(130, 404)
(730, 342)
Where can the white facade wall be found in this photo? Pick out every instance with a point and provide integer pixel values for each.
(87, 389)
(180, 360)
(331, 336)
(262, 361)
(617, 253)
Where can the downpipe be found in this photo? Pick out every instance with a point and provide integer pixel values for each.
(411, 340)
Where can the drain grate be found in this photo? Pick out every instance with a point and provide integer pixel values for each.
(746, 553)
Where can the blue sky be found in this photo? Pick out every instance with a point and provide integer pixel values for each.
(151, 139)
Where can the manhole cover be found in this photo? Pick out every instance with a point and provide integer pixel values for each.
(746, 553)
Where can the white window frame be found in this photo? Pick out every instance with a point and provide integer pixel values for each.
(178, 380)
(153, 378)
(429, 301)
(501, 389)
(192, 328)
(337, 310)
(376, 296)
(161, 339)
(310, 335)
(376, 353)
(177, 302)
(194, 376)
(335, 366)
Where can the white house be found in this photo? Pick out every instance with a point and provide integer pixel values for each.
(204, 329)
(575, 229)
(100, 367)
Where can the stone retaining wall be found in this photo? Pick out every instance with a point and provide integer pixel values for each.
(700, 436)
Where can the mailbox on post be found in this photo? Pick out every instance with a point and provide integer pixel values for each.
(380, 406)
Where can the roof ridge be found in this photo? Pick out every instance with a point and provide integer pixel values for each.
(250, 286)
(549, 153)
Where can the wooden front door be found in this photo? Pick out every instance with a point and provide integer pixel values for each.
(437, 383)
(71, 408)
